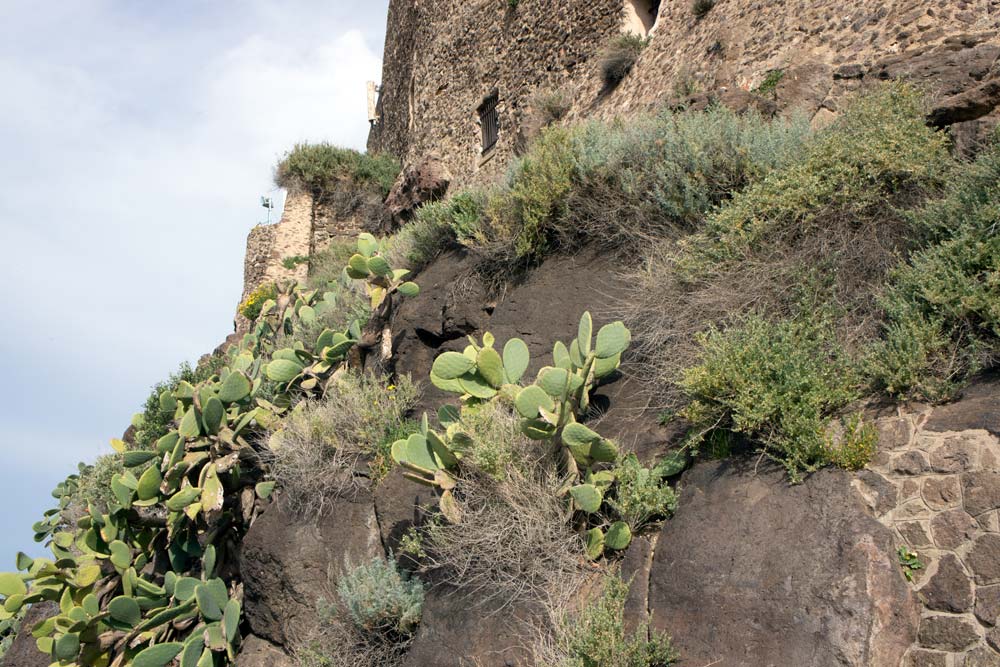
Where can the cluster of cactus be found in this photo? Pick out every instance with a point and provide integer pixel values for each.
(381, 280)
(312, 372)
(10, 624)
(549, 409)
(139, 582)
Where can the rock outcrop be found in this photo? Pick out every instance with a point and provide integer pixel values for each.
(755, 571)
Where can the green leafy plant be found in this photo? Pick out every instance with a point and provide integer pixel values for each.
(293, 261)
(776, 383)
(380, 599)
(770, 83)
(642, 494)
(317, 168)
(909, 561)
(855, 445)
(251, 306)
(596, 636)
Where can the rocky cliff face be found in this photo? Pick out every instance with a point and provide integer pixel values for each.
(752, 571)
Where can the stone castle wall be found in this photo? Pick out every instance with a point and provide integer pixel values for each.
(443, 58)
(308, 224)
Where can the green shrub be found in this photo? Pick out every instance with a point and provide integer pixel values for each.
(702, 7)
(596, 636)
(641, 494)
(381, 600)
(93, 488)
(322, 448)
(619, 56)
(943, 305)
(294, 260)
(854, 446)
(775, 383)
(497, 440)
(419, 242)
(825, 228)
(250, 308)
(770, 83)
(318, 168)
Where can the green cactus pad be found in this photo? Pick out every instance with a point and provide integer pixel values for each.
(125, 610)
(367, 244)
(121, 556)
(595, 543)
(11, 584)
(188, 427)
(192, 651)
(490, 367)
(530, 399)
(379, 266)
(168, 404)
(560, 356)
(359, 265)
(476, 385)
(207, 604)
(283, 370)
(409, 289)
(231, 620)
(618, 537)
(67, 647)
(516, 358)
(149, 484)
(672, 464)
(212, 415)
(416, 451)
(585, 333)
(537, 429)
(558, 382)
(235, 388)
(264, 490)
(588, 497)
(137, 458)
(452, 365)
(604, 451)
(606, 366)
(159, 655)
(445, 457)
(183, 498)
(448, 415)
(612, 339)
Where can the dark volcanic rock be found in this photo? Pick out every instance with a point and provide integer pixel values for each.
(400, 504)
(256, 652)
(979, 408)
(949, 633)
(755, 571)
(950, 589)
(289, 562)
(417, 184)
(23, 652)
(458, 630)
(984, 559)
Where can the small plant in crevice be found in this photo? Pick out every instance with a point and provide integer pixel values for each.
(619, 56)
(293, 261)
(379, 599)
(596, 635)
(909, 561)
(853, 444)
(701, 8)
(251, 306)
(769, 85)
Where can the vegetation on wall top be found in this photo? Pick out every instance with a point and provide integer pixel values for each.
(319, 168)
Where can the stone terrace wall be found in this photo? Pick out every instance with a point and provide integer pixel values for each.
(442, 58)
(936, 483)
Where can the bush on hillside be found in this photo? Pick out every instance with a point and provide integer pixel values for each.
(619, 56)
(152, 423)
(943, 305)
(825, 229)
(777, 383)
(596, 635)
(319, 168)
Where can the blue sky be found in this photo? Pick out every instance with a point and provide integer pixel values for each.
(137, 139)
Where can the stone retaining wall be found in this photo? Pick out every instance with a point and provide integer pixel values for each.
(936, 483)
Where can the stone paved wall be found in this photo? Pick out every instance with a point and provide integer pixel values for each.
(442, 58)
(936, 483)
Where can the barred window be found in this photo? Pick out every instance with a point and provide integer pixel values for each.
(489, 121)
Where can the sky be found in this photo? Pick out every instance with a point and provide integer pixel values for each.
(137, 139)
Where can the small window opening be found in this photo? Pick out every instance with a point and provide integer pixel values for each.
(489, 121)
(640, 16)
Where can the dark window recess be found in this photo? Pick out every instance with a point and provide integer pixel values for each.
(489, 121)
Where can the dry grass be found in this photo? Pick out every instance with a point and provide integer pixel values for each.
(333, 447)
(514, 543)
(336, 642)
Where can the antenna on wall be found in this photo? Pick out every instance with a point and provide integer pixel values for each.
(373, 102)
(267, 203)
